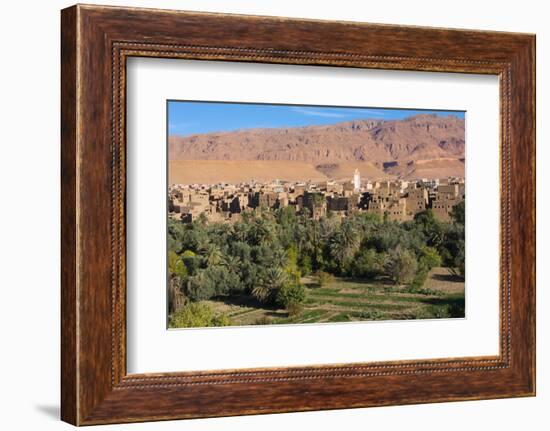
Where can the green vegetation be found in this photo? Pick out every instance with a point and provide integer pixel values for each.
(323, 278)
(279, 266)
(290, 295)
(196, 315)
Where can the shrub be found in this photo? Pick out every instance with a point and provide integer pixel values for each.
(191, 260)
(304, 263)
(197, 315)
(370, 315)
(323, 278)
(200, 287)
(212, 281)
(295, 310)
(291, 267)
(368, 263)
(390, 235)
(461, 264)
(221, 319)
(429, 258)
(264, 320)
(401, 265)
(458, 264)
(458, 213)
(176, 266)
(445, 311)
(418, 281)
(291, 295)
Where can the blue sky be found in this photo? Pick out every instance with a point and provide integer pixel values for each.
(189, 118)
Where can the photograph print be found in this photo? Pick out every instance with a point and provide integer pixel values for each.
(297, 214)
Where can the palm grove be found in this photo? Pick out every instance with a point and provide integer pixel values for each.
(267, 254)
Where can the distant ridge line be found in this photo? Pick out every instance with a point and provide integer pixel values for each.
(395, 148)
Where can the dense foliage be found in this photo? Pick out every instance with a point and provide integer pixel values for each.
(197, 314)
(265, 254)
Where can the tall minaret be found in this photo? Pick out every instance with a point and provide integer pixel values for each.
(356, 180)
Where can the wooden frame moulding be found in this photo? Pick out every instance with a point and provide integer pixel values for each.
(95, 43)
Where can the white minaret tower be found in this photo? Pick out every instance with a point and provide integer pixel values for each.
(356, 180)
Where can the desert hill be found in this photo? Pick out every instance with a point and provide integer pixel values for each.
(416, 147)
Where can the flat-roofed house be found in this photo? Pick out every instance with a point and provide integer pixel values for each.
(417, 199)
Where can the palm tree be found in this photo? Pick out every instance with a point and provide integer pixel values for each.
(232, 263)
(177, 273)
(344, 242)
(302, 237)
(240, 231)
(176, 267)
(279, 257)
(270, 282)
(261, 232)
(213, 255)
(203, 242)
(219, 232)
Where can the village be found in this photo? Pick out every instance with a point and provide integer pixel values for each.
(398, 200)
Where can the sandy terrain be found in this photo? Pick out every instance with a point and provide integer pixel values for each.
(234, 171)
(344, 170)
(432, 168)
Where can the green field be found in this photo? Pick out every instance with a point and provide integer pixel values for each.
(346, 300)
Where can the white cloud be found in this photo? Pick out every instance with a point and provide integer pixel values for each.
(341, 112)
(319, 113)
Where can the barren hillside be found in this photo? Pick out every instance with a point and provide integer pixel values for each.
(416, 147)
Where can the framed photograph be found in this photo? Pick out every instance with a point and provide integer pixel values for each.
(265, 215)
(294, 214)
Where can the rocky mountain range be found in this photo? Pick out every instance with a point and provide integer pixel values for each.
(399, 148)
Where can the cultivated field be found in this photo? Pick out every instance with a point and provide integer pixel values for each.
(345, 300)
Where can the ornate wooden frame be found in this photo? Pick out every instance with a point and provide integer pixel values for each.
(95, 42)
